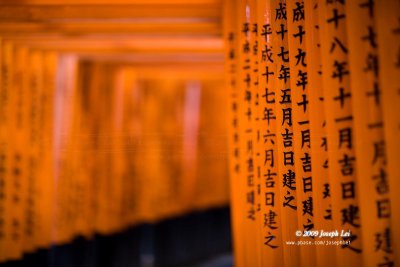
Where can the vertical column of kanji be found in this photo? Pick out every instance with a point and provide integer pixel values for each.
(339, 119)
(9, 99)
(231, 49)
(325, 255)
(284, 130)
(255, 121)
(271, 251)
(388, 39)
(5, 153)
(246, 132)
(19, 117)
(27, 70)
(368, 131)
(13, 221)
(30, 222)
(301, 127)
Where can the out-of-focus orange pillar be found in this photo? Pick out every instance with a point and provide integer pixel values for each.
(388, 39)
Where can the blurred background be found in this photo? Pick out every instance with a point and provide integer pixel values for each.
(113, 143)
